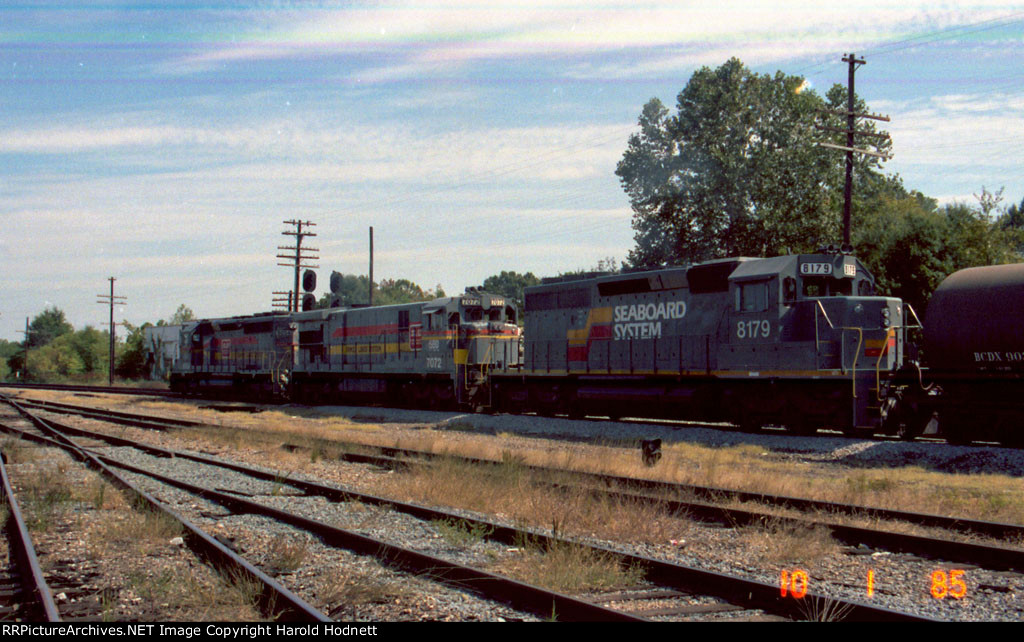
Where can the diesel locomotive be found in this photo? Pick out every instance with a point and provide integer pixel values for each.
(797, 341)
(800, 342)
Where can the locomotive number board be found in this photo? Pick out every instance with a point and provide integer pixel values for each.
(816, 268)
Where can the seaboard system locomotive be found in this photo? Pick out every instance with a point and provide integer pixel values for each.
(800, 342)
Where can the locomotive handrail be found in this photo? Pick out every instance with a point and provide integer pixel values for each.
(817, 338)
(919, 325)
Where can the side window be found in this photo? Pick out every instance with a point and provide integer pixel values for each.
(752, 297)
(789, 289)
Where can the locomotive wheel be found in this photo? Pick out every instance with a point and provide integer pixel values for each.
(750, 425)
(576, 409)
(798, 423)
(801, 426)
(443, 397)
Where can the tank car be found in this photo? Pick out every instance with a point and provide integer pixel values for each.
(974, 352)
(431, 354)
(798, 341)
(243, 356)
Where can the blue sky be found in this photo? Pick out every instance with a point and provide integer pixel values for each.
(163, 143)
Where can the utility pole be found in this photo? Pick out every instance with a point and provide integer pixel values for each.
(371, 265)
(112, 301)
(851, 132)
(283, 301)
(300, 254)
(24, 368)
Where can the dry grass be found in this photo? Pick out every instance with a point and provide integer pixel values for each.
(509, 490)
(340, 590)
(287, 554)
(746, 467)
(569, 568)
(823, 609)
(180, 594)
(780, 542)
(18, 451)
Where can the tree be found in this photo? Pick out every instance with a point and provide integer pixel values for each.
(47, 326)
(736, 170)
(182, 315)
(392, 291)
(132, 356)
(92, 347)
(9, 349)
(911, 245)
(510, 285)
(55, 360)
(354, 290)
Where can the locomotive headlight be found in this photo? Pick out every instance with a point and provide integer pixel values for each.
(858, 308)
(885, 312)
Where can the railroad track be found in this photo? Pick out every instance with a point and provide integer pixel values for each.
(680, 590)
(24, 593)
(707, 504)
(119, 390)
(275, 601)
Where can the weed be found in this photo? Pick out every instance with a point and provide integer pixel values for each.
(461, 533)
(823, 609)
(783, 541)
(457, 426)
(46, 491)
(287, 554)
(572, 568)
(352, 591)
(108, 604)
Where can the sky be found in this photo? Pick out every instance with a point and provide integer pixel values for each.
(165, 143)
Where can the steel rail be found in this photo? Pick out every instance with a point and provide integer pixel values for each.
(997, 558)
(996, 530)
(23, 554)
(750, 593)
(517, 594)
(275, 600)
(988, 556)
(737, 590)
(161, 392)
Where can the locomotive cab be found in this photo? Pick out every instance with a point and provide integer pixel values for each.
(834, 328)
(487, 332)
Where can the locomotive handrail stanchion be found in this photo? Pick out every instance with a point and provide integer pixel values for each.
(878, 364)
(817, 338)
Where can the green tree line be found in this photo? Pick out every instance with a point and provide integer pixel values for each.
(736, 170)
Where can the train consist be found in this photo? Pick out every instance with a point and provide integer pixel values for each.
(801, 342)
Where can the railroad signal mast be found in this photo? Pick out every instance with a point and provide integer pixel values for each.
(298, 259)
(111, 300)
(850, 148)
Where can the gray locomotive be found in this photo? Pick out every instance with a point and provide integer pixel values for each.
(436, 354)
(432, 354)
(250, 355)
(797, 341)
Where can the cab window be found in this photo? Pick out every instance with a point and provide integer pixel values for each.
(752, 297)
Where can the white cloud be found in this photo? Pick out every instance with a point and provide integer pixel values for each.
(426, 39)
